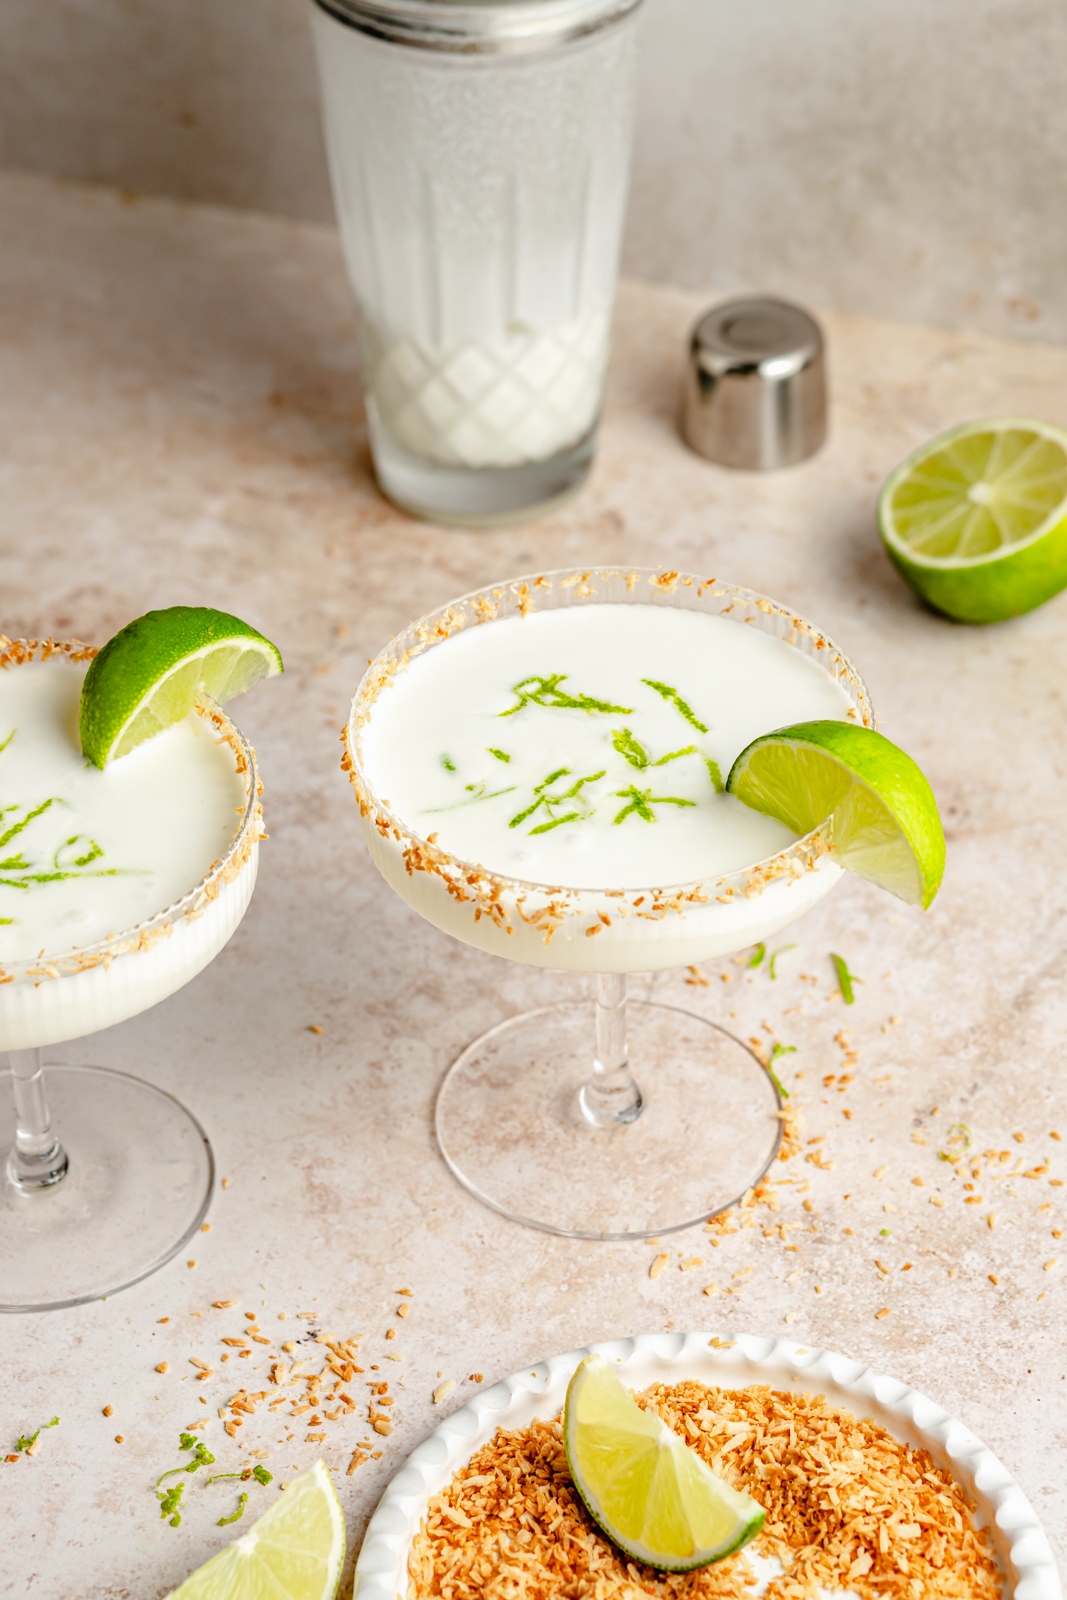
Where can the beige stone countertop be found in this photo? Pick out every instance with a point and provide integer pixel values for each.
(179, 423)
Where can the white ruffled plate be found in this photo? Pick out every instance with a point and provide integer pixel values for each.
(539, 1391)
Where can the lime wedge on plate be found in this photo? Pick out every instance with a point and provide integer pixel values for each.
(886, 826)
(641, 1483)
(976, 521)
(294, 1552)
(146, 678)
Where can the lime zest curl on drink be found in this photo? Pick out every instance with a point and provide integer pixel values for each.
(668, 693)
(550, 801)
(633, 751)
(548, 693)
(641, 802)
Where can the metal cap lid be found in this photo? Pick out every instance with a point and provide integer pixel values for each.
(479, 27)
(755, 392)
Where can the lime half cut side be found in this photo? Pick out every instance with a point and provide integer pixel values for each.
(147, 677)
(976, 521)
(883, 816)
(294, 1552)
(642, 1484)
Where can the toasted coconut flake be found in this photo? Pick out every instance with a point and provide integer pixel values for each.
(848, 1507)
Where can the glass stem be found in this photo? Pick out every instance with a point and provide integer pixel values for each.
(610, 1096)
(37, 1158)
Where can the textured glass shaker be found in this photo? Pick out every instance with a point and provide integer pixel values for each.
(479, 152)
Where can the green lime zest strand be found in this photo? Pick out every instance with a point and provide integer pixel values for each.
(475, 792)
(779, 952)
(93, 853)
(60, 877)
(8, 740)
(690, 750)
(776, 1051)
(715, 774)
(551, 800)
(71, 859)
(548, 693)
(27, 1441)
(260, 1474)
(845, 978)
(641, 802)
(202, 1457)
(234, 1516)
(557, 822)
(501, 755)
(169, 1500)
(633, 751)
(756, 958)
(667, 693)
(958, 1141)
(31, 816)
(448, 764)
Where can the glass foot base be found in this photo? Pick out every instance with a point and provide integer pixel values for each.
(478, 497)
(136, 1190)
(510, 1126)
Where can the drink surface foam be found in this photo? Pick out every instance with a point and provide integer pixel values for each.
(85, 853)
(475, 742)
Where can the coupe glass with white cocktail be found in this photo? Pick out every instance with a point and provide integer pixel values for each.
(539, 769)
(118, 884)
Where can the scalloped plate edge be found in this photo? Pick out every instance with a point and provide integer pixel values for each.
(734, 1361)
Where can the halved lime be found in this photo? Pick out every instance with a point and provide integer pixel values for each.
(294, 1552)
(146, 678)
(641, 1483)
(885, 823)
(976, 521)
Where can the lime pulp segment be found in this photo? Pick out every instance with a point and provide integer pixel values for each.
(976, 521)
(294, 1552)
(147, 677)
(643, 1485)
(884, 821)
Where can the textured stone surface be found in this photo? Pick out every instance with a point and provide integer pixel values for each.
(179, 423)
(895, 158)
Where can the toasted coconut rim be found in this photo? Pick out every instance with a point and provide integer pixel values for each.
(517, 598)
(144, 935)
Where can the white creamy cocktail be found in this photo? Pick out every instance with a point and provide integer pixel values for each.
(540, 770)
(116, 886)
(585, 749)
(121, 878)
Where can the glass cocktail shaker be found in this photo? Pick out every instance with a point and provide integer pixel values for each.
(479, 152)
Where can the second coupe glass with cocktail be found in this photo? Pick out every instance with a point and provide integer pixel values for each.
(539, 768)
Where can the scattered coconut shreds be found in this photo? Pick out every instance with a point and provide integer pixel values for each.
(848, 1507)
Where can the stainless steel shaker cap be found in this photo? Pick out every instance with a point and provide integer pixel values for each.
(479, 27)
(755, 394)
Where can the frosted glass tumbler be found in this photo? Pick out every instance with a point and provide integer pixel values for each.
(479, 152)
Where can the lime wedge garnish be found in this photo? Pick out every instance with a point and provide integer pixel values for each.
(642, 1484)
(146, 678)
(885, 826)
(294, 1552)
(976, 521)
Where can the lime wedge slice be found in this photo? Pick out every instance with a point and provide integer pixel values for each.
(146, 678)
(641, 1483)
(294, 1552)
(885, 822)
(976, 521)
